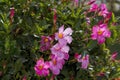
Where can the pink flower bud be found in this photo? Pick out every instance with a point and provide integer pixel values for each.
(113, 56)
(24, 78)
(54, 17)
(12, 12)
(91, 2)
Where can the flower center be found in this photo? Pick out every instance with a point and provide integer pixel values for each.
(57, 48)
(46, 40)
(54, 62)
(60, 35)
(40, 67)
(100, 32)
(84, 58)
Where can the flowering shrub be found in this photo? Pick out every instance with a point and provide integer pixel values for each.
(58, 40)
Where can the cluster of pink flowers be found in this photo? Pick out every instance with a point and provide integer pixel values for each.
(83, 59)
(101, 10)
(59, 52)
(101, 31)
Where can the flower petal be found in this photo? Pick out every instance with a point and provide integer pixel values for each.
(62, 42)
(69, 39)
(68, 31)
(65, 49)
(61, 29)
(101, 40)
(56, 71)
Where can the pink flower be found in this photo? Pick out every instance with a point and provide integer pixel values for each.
(12, 12)
(94, 8)
(103, 10)
(45, 43)
(61, 51)
(64, 36)
(91, 2)
(100, 32)
(84, 60)
(113, 56)
(42, 68)
(56, 65)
